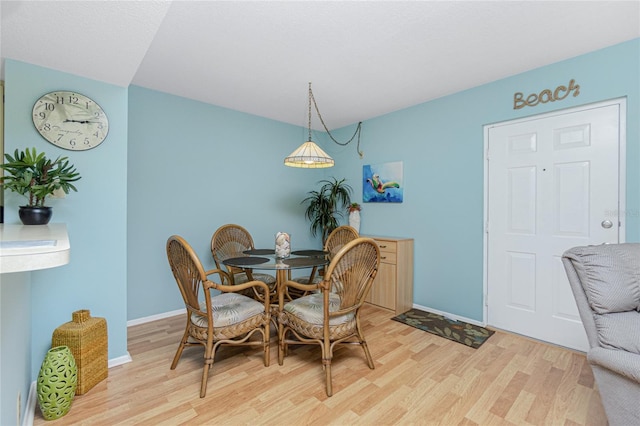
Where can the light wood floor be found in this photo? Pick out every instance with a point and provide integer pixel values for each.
(419, 379)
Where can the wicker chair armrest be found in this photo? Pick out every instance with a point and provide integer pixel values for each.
(239, 287)
(223, 274)
(300, 286)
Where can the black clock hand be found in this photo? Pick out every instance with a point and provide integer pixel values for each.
(79, 121)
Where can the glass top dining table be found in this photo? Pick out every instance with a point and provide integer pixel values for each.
(266, 259)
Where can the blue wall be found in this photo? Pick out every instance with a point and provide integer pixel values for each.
(172, 165)
(15, 334)
(95, 278)
(194, 167)
(441, 146)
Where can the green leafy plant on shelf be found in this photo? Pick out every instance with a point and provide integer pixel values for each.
(36, 177)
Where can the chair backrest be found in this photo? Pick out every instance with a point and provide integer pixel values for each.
(351, 273)
(188, 272)
(338, 238)
(230, 241)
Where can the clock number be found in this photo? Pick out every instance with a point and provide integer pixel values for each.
(72, 142)
(87, 142)
(42, 115)
(48, 106)
(46, 127)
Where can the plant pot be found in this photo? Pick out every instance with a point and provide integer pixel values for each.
(354, 220)
(35, 215)
(57, 382)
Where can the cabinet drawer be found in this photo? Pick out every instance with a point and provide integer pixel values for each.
(388, 257)
(387, 246)
(388, 251)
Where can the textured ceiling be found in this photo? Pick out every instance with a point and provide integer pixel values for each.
(364, 58)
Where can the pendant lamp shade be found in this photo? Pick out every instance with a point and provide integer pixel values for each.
(310, 156)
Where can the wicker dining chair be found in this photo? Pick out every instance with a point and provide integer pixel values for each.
(335, 241)
(226, 319)
(331, 317)
(230, 241)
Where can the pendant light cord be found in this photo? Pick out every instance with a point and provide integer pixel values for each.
(356, 133)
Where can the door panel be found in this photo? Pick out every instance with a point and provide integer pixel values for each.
(551, 181)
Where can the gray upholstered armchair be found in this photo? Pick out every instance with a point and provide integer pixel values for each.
(605, 281)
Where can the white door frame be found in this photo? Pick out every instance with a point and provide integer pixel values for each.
(622, 178)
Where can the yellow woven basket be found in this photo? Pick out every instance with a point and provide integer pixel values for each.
(87, 339)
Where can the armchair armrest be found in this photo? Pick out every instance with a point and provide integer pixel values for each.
(300, 286)
(626, 364)
(235, 288)
(293, 284)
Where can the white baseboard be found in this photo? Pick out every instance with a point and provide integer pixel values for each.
(450, 316)
(120, 360)
(155, 317)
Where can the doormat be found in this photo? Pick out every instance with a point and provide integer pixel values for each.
(458, 331)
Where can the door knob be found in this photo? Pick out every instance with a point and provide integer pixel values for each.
(606, 224)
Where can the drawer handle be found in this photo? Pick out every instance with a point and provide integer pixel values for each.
(383, 257)
(381, 246)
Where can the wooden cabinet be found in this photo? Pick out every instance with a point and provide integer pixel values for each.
(393, 286)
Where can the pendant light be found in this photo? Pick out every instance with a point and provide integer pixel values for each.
(311, 156)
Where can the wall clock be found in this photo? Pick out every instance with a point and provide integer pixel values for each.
(70, 120)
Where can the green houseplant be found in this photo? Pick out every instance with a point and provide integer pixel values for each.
(36, 177)
(326, 205)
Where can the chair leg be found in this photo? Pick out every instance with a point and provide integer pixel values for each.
(208, 363)
(281, 344)
(205, 377)
(266, 334)
(368, 355)
(363, 343)
(178, 354)
(327, 356)
(327, 369)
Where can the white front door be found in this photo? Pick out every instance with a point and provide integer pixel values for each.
(552, 183)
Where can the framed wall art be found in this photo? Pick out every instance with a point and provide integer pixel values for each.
(382, 183)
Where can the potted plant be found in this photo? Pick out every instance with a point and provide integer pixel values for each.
(37, 177)
(326, 205)
(354, 216)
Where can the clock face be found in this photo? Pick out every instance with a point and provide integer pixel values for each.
(70, 120)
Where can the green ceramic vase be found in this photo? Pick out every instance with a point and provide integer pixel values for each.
(57, 382)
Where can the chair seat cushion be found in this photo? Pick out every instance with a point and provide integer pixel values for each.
(228, 309)
(619, 330)
(310, 309)
(269, 280)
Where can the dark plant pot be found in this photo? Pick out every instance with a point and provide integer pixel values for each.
(35, 215)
